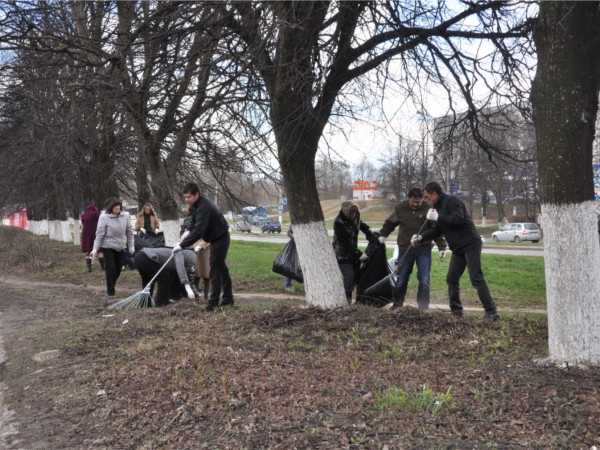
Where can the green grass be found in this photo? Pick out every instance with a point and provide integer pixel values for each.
(423, 399)
(514, 281)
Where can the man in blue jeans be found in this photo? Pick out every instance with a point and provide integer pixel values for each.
(409, 216)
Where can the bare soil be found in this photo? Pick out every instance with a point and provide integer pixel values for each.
(268, 374)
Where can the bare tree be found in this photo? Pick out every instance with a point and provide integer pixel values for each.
(308, 55)
(565, 106)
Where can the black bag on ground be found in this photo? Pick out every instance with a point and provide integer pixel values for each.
(155, 240)
(375, 269)
(287, 263)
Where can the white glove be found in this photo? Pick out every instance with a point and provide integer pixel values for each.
(159, 231)
(197, 249)
(93, 254)
(177, 248)
(432, 215)
(442, 255)
(382, 239)
(143, 230)
(131, 250)
(363, 257)
(189, 291)
(416, 239)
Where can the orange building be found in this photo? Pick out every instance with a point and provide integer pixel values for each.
(366, 190)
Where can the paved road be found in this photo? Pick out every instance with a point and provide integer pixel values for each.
(488, 249)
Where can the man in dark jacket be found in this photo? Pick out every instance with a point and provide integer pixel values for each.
(346, 227)
(451, 219)
(409, 216)
(209, 224)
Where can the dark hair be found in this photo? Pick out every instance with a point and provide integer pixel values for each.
(191, 188)
(432, 186)
(415, 193)
(111, 203)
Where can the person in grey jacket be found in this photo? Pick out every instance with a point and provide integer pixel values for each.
(113, 235)
(409, 217)
(181, 266)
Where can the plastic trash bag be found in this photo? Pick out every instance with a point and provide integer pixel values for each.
(373, 270)
(155, 240)
(287, 263)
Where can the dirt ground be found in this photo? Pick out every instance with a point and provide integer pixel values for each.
(272, 374)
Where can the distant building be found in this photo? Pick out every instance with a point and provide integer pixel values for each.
(366, 190)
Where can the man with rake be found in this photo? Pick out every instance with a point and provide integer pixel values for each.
(209, 224)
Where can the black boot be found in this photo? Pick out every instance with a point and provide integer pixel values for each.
(89, 264)
(349, 297)
(101, 261)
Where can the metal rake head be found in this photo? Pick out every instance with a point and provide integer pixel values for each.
(141, 299)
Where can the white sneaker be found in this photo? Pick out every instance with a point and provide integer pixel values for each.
(289, 288)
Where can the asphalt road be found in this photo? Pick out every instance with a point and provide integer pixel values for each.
(490, 249)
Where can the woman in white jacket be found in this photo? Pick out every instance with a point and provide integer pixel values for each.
(113, 235)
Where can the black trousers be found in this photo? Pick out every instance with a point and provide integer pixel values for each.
(348, 272)
(113, 262)
(219, 272)
(147, 269)
(471, 260)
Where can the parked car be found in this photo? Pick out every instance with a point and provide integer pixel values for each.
(271, 227)
(517, 232)
(244, 227)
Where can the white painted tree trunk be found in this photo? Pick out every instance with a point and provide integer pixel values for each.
(39, 227)
(66, 235)
(572, 259)
(322, 279)
(55, 230)
(76, 233)
(32, 227)
(171, 230)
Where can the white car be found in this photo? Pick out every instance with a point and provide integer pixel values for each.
(517, 232)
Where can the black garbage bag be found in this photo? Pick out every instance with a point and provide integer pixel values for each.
(154, 239)
(371, 271)
(287, 263)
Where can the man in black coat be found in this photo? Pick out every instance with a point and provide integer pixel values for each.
(453, 221)
(208, 223)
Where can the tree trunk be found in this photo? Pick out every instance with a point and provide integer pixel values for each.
(565, 104)
(322, 280)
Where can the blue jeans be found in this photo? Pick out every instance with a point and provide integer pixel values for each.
(288, 282)
(423, 261)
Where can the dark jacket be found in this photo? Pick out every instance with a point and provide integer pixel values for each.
(409, 222)
(455, 224)
(89, 222)
(207, 223)
(290, 232)
(345, 237)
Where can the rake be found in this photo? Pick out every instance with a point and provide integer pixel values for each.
(377, 286)
(140, 299)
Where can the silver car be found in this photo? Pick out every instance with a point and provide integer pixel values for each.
(517, 232)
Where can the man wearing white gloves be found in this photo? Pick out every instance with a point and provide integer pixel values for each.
(409, 217)
(208, 223)
(181, 267)
(453, 221)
